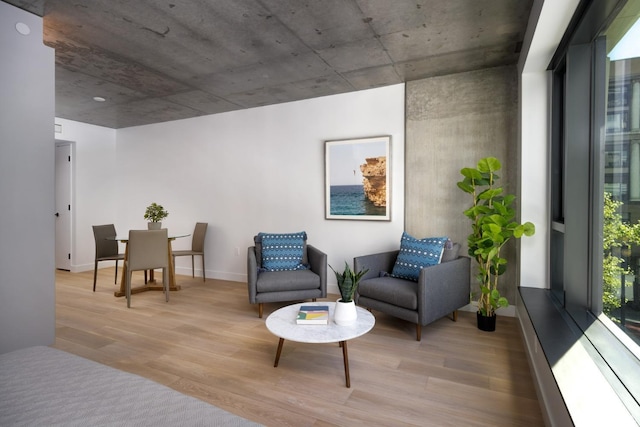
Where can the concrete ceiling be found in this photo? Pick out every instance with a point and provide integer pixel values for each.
(160, 60)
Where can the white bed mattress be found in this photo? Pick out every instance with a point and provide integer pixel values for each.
(43, 386)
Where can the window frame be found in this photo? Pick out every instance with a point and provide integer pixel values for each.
(578, 133)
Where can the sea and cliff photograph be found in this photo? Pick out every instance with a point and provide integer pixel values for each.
(351, 200)
(356, 174)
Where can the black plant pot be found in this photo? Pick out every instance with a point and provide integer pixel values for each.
(486, 323)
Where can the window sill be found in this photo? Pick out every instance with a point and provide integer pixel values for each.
(567, 364)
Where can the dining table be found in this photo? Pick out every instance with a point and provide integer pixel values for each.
(151, 284)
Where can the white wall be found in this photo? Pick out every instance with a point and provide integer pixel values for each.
(27, 284)
(547, 24)
(94, 196)
(243, 172)
(534, 178)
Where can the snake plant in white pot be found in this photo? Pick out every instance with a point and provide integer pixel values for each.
(345, 312)
(492, 224)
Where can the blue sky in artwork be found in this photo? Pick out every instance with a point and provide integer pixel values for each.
(345, 160)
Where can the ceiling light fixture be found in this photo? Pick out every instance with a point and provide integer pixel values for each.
(23, 28)
(99, 99)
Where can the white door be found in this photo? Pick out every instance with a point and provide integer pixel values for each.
(63, 206)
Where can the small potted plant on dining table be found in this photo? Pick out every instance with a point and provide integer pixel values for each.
(155, 213)
(345, 312)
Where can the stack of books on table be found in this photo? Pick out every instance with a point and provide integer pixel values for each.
(313, 315)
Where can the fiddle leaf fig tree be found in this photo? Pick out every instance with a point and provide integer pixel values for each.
(492, 226)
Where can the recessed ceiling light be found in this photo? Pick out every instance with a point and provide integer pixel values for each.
(99, 99)
(23, 28)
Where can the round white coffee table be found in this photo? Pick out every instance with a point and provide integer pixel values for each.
(282, 323)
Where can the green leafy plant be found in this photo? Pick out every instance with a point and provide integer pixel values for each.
(618, 237)
(348, 282)
(492, 224)
(155, 213)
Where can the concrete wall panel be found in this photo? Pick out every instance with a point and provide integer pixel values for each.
(452, 122)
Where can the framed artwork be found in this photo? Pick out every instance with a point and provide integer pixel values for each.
(357, 179)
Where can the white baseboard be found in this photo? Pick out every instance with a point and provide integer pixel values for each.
(332, 288)
(503, 311)
(219, 275)
(89, 267)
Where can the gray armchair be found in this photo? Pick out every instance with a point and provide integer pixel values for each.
(274, 286)
(440, 290)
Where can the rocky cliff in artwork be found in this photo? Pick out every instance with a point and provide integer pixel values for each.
(375, 180)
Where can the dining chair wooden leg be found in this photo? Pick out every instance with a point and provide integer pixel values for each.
(193, 267)
(171, 269)
(204, 274)
(128, 289)
(165, 282)
(116, 278)
(123, 275)
(95, 275)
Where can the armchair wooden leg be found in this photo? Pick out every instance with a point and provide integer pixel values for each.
(260, 310)
(313, 299)
(418, 332)
(455, 315)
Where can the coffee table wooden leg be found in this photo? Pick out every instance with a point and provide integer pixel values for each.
(345, 356)
(275, 365)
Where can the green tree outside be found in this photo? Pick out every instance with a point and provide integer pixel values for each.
(618, 236)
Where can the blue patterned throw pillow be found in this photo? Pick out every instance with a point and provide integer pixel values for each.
(282, 252)
(415, 254)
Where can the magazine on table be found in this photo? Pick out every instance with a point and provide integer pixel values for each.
(313, 315)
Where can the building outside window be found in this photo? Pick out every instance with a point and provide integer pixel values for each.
(621, 172)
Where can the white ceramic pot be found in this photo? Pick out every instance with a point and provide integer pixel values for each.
(345, 313)
(154, 225)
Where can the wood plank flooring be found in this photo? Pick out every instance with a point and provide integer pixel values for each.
(208, 342)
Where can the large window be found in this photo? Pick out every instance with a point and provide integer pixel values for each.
(621, 174)
(595, 195)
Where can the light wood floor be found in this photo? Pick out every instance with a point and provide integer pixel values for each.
(208, 342)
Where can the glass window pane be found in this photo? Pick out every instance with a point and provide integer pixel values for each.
(621, 210)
